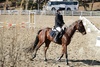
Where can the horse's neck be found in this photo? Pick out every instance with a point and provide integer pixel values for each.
(71, 30)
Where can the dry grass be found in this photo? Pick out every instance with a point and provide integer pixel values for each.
(82, 51)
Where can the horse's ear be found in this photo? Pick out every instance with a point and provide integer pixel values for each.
(80, 21)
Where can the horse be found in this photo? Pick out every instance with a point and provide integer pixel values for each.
(43, 36)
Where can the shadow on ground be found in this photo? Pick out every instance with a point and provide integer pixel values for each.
(89, 62)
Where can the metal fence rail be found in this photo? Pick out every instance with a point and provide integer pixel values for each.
(66, 13)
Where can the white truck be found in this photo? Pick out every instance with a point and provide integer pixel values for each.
(66, 5)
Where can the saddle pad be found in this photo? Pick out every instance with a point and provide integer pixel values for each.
(53, 33)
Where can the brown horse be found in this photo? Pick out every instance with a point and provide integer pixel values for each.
(44, 36)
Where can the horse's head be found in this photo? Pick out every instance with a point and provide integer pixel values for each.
(80, 27)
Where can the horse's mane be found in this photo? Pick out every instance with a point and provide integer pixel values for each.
(71, 24)
(39, 31)
(74, 23)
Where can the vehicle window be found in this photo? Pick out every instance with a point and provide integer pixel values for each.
(75, 3)
(61, 3)
(57, 3)
(71, 3)
(54, 3)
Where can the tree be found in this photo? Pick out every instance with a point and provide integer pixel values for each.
(92, 5)
(21, 5)
(2, 0)
(26, 6)
(84, 4)
(6, 5)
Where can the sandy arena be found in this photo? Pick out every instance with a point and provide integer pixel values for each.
(82, 51)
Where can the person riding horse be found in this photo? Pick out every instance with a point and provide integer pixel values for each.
(58, 24)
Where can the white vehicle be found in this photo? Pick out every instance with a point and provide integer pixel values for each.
(72, 5)
(67, 5)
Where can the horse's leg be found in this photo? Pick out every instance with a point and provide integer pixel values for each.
(45, 49)
(64, 50)
(59, 59)
(66, 55)
(35, 51)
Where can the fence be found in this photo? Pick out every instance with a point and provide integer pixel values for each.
(66, 13)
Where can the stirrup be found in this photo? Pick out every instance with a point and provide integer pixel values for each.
(55, 39)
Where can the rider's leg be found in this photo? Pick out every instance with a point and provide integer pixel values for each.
(56, 37)
(57, 33)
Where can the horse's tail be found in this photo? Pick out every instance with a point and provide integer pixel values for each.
(33, 46)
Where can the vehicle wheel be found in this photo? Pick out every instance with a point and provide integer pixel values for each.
(53, 9)
(68, 9)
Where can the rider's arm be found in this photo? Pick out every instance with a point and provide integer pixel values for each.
(60, 20)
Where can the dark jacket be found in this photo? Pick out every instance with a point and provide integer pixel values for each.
(59, 20)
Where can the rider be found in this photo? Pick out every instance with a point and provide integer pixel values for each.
(58, 23)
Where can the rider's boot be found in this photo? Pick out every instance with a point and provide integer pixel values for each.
(56, 37)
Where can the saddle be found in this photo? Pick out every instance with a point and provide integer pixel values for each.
(54, 31)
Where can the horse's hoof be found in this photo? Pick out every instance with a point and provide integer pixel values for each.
(45, 60)
(67, 63)
(59, 59)
(31, 59)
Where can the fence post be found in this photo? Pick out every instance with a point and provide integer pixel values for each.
(91, 13)
(81, 13)
(31, 19)
(72, 13)
(0, 12)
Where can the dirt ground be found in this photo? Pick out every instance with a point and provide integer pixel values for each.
(82, 51)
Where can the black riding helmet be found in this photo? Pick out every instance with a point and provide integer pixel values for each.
(60, 9)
